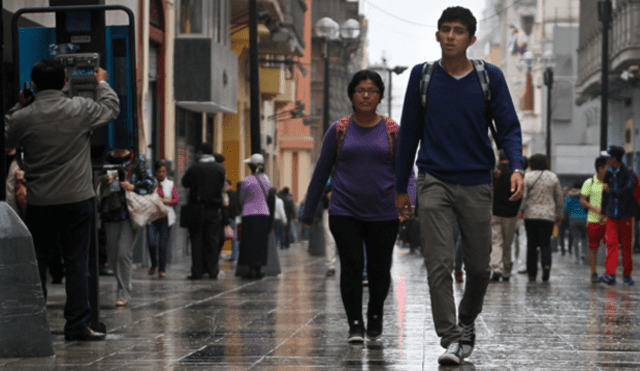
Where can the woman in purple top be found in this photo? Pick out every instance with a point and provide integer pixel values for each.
(255, 218)
(362, 208)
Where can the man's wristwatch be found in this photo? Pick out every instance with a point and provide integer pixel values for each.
(519, 171)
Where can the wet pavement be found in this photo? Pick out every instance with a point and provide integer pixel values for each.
(296, 322)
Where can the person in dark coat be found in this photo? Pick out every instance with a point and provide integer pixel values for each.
(205, 180)
(290, 212)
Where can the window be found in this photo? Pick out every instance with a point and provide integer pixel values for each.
(191, 17)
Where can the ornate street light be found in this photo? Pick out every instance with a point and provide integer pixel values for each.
(329, 30)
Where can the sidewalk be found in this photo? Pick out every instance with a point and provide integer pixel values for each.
(296, 322)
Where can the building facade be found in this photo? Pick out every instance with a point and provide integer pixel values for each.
(624, 75)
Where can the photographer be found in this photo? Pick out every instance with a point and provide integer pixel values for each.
(55, 133)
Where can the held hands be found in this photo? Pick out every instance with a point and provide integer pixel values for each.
(403, 204)
(517, 187)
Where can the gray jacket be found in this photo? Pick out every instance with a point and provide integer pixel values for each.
(55, 134)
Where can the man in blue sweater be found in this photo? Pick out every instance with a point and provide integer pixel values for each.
(455, 161)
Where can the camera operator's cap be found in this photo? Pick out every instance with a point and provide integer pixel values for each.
(255, 159)
(613, 151)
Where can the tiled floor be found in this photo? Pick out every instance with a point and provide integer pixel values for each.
(296, 322)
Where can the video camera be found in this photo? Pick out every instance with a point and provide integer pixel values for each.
(79, 69)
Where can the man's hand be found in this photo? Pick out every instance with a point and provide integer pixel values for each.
(605, 187)
(403, 204)
(101, 75)
(26, 97)
(517, 186)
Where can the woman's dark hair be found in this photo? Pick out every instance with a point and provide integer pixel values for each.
(161, 163)
(459, 14)
(538, 162)
(366, 75)
(48, 74)
(525, 163)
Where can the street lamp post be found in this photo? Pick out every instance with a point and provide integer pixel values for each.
(604, 15)
(548, 62)
(548, 81)
(397, 70)
(329, 30)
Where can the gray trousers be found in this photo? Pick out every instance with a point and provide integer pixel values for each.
(440, 204)
(502, 232)
(120, 239)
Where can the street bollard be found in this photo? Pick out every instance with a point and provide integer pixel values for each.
(24, 328)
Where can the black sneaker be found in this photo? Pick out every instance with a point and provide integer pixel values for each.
(545, 274)
(468, 339)
(356, 333)
(374, 326)
(451, 356)
(495, 276)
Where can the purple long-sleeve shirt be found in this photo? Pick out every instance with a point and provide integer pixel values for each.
(252, 195)
(363, 185)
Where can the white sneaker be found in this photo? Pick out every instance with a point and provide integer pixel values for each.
(468, 340)
(451, 356)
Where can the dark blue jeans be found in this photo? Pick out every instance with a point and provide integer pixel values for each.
(157, 240)
(71, 223)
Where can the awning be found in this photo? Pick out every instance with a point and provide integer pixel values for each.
(205, 107)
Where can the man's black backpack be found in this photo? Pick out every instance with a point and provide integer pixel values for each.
(485, 83)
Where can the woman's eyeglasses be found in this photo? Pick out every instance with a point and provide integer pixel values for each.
(361, 91)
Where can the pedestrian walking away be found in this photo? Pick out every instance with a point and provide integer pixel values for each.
(448, 107)
(205, 180)
(577, 220)
(619, 208)
(57, 163)
(543, 207)
(503, 221)
(258, 215)
(361, 147)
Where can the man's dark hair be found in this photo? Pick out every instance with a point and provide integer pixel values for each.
(285, 190)
(48, 74)
(538, 162)
(525, 163)
(366, 75)
(219, 157)
(206, 148)
(617, 152)
(459, 14)
(601, 161)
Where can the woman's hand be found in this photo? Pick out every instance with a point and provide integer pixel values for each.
(127, 186)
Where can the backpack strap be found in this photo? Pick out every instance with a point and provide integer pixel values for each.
(485, 84)
(427, 72)
(341, 131)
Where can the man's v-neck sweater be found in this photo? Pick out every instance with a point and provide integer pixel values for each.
(456, 146)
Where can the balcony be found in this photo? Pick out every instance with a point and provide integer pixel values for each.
(624, 45)
(206, 76)
(272, 82)
(283, 18)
